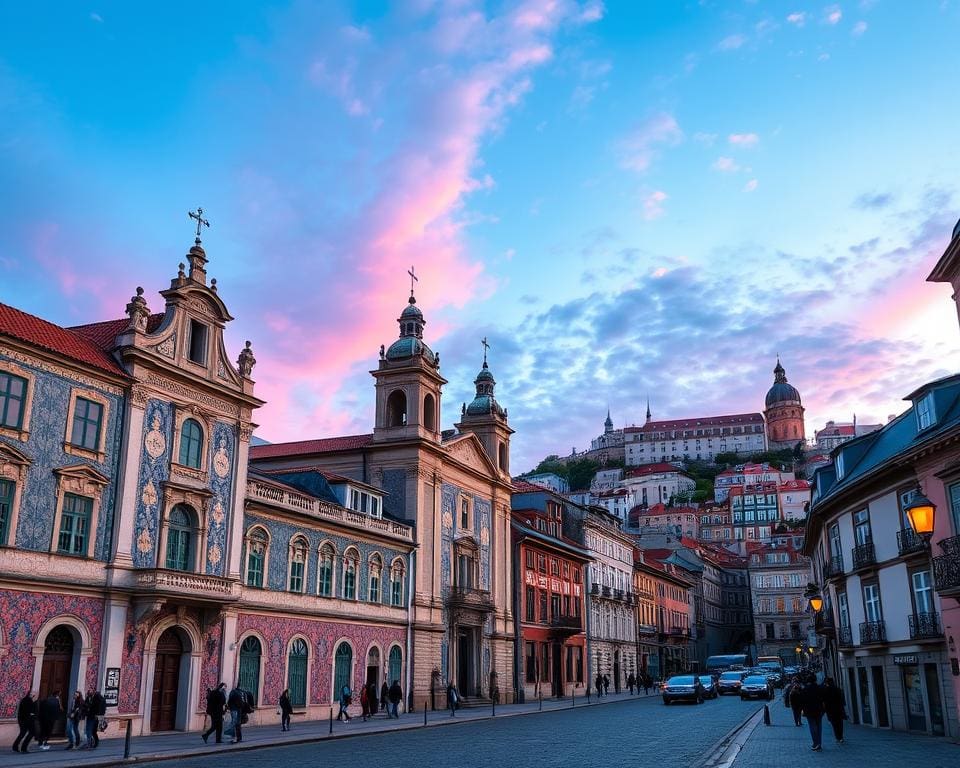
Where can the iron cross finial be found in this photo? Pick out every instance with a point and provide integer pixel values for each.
(413, 278)
(201, 222)
(486, 346)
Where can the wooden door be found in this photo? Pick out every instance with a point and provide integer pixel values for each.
(166, 681)
(56, 671)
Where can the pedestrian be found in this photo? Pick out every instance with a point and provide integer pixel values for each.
(76, 713)
(834, 707)
(795, 697)
(346, 698)
(286, 709)
(49, 711)
(216, 704)
(599, 685)
(364, 702)
(452, 698)
(395, 695)
(237, 704)
(385, 698)
(647, 682)
(606, 685)
(96, 707)
(373, 699)
(631, 682)
(27, 721)
(812, 697)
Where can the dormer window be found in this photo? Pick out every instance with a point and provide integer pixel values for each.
(367, 503)
(198, 343)
(838, 464)
(926, 415)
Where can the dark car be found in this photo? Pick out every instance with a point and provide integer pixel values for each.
(756, 687)
(683, 688)
(729, 682)
(709, 683)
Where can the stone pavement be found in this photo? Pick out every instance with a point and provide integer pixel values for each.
(172, 746)
(783, 745)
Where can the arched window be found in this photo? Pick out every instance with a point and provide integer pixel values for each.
(351, 562)
(298, 563)
(191, 443)
(325, 570)
(503, 457)
(397, 409)
(297, 672)
(429, 413)
(248, 678)
(395, 664)
(375, 568)
(396, 583)
(180, 537)
(342, 666)
(257, 543)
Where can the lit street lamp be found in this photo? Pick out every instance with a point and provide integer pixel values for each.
(921, 513)
(814, 597)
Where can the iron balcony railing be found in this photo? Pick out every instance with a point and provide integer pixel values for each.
(924, 625)
(845, 637)
(834, 567)
(864, 556)
(946, 567)
(872, 632)
(562, 621)
(908, 542)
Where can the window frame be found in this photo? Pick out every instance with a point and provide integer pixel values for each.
(250, 538)
(190, 530)
(324, 551)
(7, 500)
(189, 443)
(297, 568)
(397, 588)
(375, 571)
(98, 452)
(6, 398)
(70, 498)
(192, 325)
(926, 410)
(79, 480)
(351, 567)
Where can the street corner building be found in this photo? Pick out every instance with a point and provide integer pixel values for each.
(147, 551)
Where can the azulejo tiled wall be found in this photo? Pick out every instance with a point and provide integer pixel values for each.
(45, 446)
(222, 459)
(154, 471)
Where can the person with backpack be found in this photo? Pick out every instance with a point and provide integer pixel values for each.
(237, 704)
(96, 707)
(216, 704)
(346, 697)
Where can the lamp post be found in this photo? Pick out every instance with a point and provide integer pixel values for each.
(921, 512)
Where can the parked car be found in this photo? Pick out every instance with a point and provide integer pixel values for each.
(790, 671)
(756, 687)
(683, 688)
(729, 682)
(709, 683)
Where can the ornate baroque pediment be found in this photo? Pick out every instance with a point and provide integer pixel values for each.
(469, 451)
(13, 463)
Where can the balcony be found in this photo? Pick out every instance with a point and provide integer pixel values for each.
(679, 632)
(834, 567)
(618, 594)
(186, 586)
(864, 556)
(566, 625)
(823, 624)
(908, 543)
(872, 632)
(946, 568)
(473, 599)
(845, 637)
(924, 625)
(607, 591)
(594, 589)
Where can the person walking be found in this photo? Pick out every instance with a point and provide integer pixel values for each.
(237, 704)
(372, 698)
(385, 698)
(834, 707)
(96, 707)
(364, 702)
(75, 714)
(647, 682)
(49, 712)
(606, 685)
(395, 697)
(27, 721)
(795, 701)
(453, 698)
(216, 704)
(812, 698)
(286, 709)
(346, 698)
(631, 682)
(598, 684)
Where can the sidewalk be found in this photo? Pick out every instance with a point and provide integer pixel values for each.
(783, 745)
(171, 746)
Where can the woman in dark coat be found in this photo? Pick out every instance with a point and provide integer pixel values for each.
(384, 697)
(834, 707)
(286, 709)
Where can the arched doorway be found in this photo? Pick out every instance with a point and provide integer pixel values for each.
(166, 681)
(373, 667)
(342, 664)
(57, 670)
(249, 674)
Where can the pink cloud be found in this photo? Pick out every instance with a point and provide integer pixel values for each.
(743, 139)
(640, 148)
(751, 185)
(653, 204)
(797, 18)
(731, 42)
(725, 165)
(832, 14)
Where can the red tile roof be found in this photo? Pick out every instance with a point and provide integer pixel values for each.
(650, 469)
(795, 485)
(700, 421)
(308, 447)
(522, 486)
(104, 334)
(53, 338)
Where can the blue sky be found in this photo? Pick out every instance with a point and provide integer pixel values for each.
(626, 198)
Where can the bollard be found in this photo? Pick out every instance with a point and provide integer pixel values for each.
(126, 740)
(588, 694)
(493, 707)
(331, 719)
(766, 714)
(573, 697)
(540, 698)
(424, 714)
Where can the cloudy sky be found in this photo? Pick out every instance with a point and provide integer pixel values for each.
(626, 198)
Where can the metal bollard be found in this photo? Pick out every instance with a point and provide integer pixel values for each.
(766, 714)
(424, 714)
(331, 718)
(573, 697)
(493, 707)
(126, 740)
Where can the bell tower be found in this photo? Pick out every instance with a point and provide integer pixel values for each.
(487, 419)
(408, 382)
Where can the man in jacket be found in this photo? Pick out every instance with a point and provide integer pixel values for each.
(49, 711)
(794, 699)
(812, 702)
(216, 704)
(834, 707)
(27, 720)
(396, 696)
(237, 704)
(96, 708)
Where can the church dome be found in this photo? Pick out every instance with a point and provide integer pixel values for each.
(410, 346)
(484, 404)
(411, 311)
(781, 392)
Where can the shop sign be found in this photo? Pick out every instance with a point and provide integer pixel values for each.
(911, 659)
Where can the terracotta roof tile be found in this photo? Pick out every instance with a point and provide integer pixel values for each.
(701, 421)
(53, 338)
(104, 334)
(307, 447)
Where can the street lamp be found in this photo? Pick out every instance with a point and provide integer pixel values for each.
(921, 512)
(814, 597)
